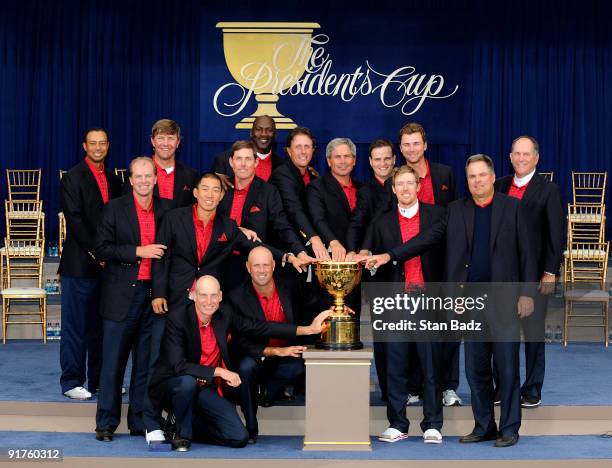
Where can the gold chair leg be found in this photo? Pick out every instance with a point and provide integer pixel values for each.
(44, 315)
(565, 321)
(3, 320)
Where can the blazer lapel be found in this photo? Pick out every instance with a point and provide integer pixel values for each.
(178, 183)
(395, 231)
(251, 197)
(190, 233)
(468, 219)
(253, 302)
(220, 331)
(285, 301)
(129, 209)
(216, 233)
(194, 328)
(336, 189)
(504, 184)
(533, 188)
(496, 217)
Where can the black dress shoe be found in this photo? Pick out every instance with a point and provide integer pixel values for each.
(472, 438)
(137, 432)
(104, 436)
(529, 401)
(181, 445)
(506, 441)
(265, 403)
(253, 439)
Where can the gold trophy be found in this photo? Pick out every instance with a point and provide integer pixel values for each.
(267, 58)
(339, 278)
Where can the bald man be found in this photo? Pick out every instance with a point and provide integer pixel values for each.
(195, 371)
(269, 362)
(263, 136)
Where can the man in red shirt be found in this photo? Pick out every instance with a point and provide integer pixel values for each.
(174, 179)
(125, 242)
(194, 374)
(438, 187)
(84, 190)
(270, 363)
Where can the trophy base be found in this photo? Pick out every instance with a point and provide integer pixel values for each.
(342, 335)
(266, 105)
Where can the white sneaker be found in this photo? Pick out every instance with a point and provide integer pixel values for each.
(432, 436)
(450, 398)
(155, 436)
(392, 435)
(412, 399)
(78, 393)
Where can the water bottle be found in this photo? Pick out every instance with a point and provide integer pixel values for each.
(57, 331)
(48, 286)
(548, 334)
(50, 331)
(55, 287)
(558, 334)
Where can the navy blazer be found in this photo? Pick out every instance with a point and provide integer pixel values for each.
(82, 205)
(181, 347)
(329, 208)
(263, 213)
(542, 208)
(245, 302)
(292, 190)
(386, 234)
(222, 166)
(175, 272)
(443, 182)
(117, 237)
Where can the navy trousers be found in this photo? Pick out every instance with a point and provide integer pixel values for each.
(131, 334)
(81, 344)
(398, 380)
(479, 375)
(202, 414)
(272, 373)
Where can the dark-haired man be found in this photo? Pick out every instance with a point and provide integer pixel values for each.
(263, 136)
(84, 190)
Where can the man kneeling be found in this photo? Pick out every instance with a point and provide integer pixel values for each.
(194, 372)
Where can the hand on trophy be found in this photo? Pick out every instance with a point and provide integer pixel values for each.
(317, 326)
(318, 247)
(375, 261)
(338, 251)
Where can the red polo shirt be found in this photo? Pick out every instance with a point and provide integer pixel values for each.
(203, 233)
(264, 167)
(426, 193)
(273, 310)
(100, 179)
(238, 202)
(146, 223)
(413, 271)
(211, 354)
(350, 191)
(516, 191)
(165, 182)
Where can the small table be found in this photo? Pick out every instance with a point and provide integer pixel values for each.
(338, 400)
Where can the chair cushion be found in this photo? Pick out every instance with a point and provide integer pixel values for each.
(586, 218)
(24, 292)
(586, 254)
(596, 295)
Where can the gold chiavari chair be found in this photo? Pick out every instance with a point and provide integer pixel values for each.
(589, 188)
(588, 264)
(61, 223)
(122, 173)
(23, 184)
(548, 175)
(24, 255)
(585, 223)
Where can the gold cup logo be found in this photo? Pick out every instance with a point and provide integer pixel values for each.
(267, 58)
(339, 279)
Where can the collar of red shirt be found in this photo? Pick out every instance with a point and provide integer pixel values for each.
(246, 189)
(428, 171)
(94, 168)
(484, 205)
(261, 298)
(380, 182)
(167, 170)
(139, 207)
(350, 184)
(194, 213)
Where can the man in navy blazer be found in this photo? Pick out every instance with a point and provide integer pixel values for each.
(389, 231)
(125, 242)
(269, 363)
(195, 373)
(543, 212)
(174, 179)
(263, 136)
(84, 190)
(438, 187)
(486, 242)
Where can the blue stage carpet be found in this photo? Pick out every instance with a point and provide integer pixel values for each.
(279, 447)
(577, 375)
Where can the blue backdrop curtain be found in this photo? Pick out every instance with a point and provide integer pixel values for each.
(542, 68)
